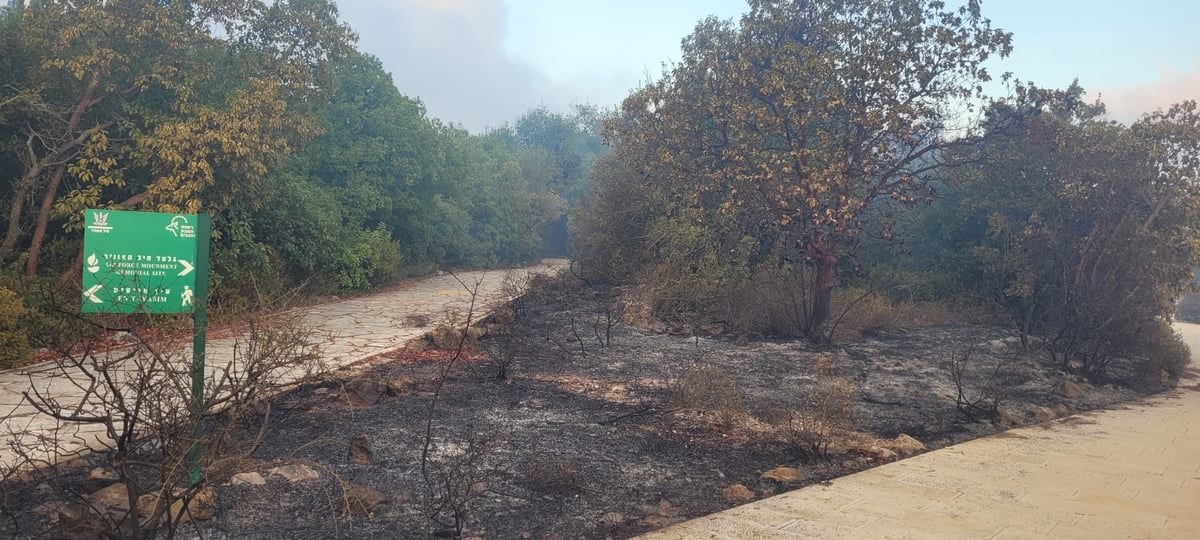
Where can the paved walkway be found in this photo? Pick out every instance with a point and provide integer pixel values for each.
(1132, 472)
(348, 331)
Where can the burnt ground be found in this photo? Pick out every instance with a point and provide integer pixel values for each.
(594, 436)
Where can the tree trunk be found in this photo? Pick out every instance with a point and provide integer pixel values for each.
(39, 233)
(43, 220)
(14, 212)
(24, 186)
(822, 291)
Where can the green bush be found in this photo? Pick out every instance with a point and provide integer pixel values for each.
(372, 260)
(14, 343)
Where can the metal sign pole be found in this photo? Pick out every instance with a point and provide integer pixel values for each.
(199, 330)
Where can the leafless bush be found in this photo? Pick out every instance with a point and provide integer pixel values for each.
(981, 389)
(773, 302)
(556, 475)
(707, 388)
(607, 318)
(539, 287)
(513, 289)
(825, 415)
(451, 330)
(450, 470)
(575, 338)
(150, 430)
(454, 472)
(502, 351)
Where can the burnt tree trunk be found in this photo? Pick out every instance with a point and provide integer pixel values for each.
(825, 257)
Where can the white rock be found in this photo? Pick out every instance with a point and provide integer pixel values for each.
(296, 473)
(247, 479)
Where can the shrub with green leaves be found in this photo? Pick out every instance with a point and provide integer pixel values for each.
(14, 343)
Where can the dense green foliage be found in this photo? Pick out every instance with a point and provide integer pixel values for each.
(318, 172)
(807, 149)
(767, 146)
(1083, 230)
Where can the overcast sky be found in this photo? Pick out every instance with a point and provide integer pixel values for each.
(481, 63)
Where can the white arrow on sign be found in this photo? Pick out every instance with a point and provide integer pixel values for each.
(91, 294)
(187, 268)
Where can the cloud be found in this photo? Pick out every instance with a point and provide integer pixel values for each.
(1128, 103)
(451, 54)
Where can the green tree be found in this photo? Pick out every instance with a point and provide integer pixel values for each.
(172, 105)
(557, 152)
(1091, 225)
(785, 128)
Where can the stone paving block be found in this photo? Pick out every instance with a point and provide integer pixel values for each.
(1013, 533)
(762, 515)
(945, 480)
(894, 504)
(1035, 481)
(998, 514)
(825, 528)
(819, 498)
(1170, 484)
(871, 487)
(982, 467)
(1152, 510)
(1183, 524)
(1089, 506)
(922, 527)
(810, 509)
(720, 526)
(1179, 457)
(1094, 527)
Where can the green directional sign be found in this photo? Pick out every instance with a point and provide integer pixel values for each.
(140, 262)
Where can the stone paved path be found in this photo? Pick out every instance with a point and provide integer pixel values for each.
(1128, 473)
(348, 331)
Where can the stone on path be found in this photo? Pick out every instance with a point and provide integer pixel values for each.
(1042, 414)
(247, 479)
(782, 475)
(884, 454)
(612, 519)
(664, 508)
(114, 498)
(360, 450)
(399, 386)
(364, 392)
(737, 493)
(1068, 389)
(295, 473)
(1008, 418)
(364, 501)
(99, 478)
(906, 445)
(201, 507)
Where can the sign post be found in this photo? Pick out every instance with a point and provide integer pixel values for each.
(148, 262)
(199, 333)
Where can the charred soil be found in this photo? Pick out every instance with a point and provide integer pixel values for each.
(600, 429)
